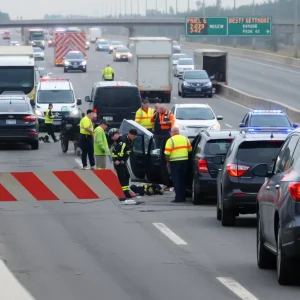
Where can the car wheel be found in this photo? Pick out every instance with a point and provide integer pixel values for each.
(35, 145)
(197, 197)
(227, 216)
(84, 71)
(65, 70)
(210, 96)
(218, 210)
(265, 259)
(285, 274)
(179, 93)
(183, 95)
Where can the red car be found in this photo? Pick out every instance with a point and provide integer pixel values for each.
(6, 35)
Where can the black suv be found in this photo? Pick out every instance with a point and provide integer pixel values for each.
(237, 187)
(203, 169)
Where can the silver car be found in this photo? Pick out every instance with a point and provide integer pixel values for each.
(38, 53)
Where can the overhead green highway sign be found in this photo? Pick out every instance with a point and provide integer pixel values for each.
(229, 26)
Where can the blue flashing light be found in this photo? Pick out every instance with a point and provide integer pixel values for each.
(268, 129)
(267, 111)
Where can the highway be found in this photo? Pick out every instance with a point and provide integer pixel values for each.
(103, 250)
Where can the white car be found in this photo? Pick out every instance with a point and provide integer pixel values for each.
(14, 43)
(192, 118)
(38, 53)
(183, 64)
(176, 56)
(114, 45)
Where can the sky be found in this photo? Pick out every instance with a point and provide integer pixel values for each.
(36, 9)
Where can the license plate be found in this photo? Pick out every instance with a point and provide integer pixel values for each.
(124, 57)
(108, 118)
(11, 122)
(198, 90)
(75, 66)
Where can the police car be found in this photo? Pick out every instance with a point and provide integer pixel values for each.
(267, 118)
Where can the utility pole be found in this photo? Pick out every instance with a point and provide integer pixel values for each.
(189, 6)
(176, 7)
(138, 8)
(116, 8)
(166, 7)
(234, 9)
(146, 7)
(253, 14)
(296, 29)
(219, 14)
(125, 10)
(131, 8)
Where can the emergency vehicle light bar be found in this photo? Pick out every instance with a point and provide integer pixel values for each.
(267, 111)
(267, 129)
(54, 79)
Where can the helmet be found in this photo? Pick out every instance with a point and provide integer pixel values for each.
(112, 132)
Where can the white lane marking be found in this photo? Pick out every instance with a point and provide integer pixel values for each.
(78, 162)
(228, 125)
(175, 98)
(11, 288)
(236, 288)
(232, 102)
(170, 234)
(267, 65)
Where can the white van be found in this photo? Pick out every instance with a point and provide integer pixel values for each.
(60, 93)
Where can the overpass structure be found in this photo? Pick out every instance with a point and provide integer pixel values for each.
(130, 23)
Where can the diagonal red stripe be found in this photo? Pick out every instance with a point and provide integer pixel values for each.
(5, 195)
(76, 185)
(34, 186)
(109, 178)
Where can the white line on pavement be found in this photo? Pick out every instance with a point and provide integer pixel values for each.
(236, 288)
(228, 125)
(175, 98)
(78, 162)
(11, 288)
(170, 234)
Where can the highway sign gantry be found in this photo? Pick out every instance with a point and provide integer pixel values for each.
(229, 26)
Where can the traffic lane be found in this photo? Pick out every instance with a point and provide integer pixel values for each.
(228, 251)
(262, 79)
(76, 251)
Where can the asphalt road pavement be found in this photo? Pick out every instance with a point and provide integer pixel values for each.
(105, 250)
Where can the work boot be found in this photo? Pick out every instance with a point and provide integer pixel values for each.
(46, 139)
(129, 194)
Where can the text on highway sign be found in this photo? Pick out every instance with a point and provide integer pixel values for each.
(229, 26)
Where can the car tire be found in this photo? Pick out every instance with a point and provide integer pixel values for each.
(197, 197)
(179, 93)
(227, 216)
(84, 71)
(285, 274)
(210, 96)
(65, 70)
(183, 95)
(218, 210)
(265, 259)
(35, 145)
(167, 98)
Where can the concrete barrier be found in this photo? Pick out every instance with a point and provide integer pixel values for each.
(258, 103)
(60, 185)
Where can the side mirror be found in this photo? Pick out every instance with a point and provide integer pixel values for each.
(242, 125)
(261, 170)
(79, 102)
(32, 102)
(219, 118)
(295, 125)
(217, 160)
(212, 77)
(87, 99)
(180, 77)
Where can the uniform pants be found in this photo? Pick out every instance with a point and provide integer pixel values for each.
(100, 161)
(50, 131)
(87, 149)
(123, 176)
(178, 173)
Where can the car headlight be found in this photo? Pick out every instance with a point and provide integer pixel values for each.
(181, 127)
(42, 53)
(38, 113)
(216, 126)
(118, 55)
(87, 43)
(66, 63)
(208, 84)
(43, 42)
(186, 83)
(74, 112)
(111, 47)
(83, 63)
(129, 55)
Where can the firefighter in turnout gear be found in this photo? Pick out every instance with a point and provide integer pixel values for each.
(49, 118)
(121, 151)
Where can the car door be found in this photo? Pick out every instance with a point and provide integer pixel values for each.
(138, 157)
(245, 120)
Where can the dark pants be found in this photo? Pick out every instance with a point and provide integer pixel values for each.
(161, 139)
(123, 176)
(178, 173)
(87, 149)
(50, 131)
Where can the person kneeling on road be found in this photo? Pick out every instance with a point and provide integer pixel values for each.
(121, 150)
(49, 118)
(101, 149)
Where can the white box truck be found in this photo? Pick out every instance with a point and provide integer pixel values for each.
(214, 62)
(151, 67)
(94, 34)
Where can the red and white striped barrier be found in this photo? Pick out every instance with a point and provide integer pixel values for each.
(59, 185)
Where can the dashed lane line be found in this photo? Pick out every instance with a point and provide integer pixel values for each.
(236, 288)
(170, 234)
(228, 125)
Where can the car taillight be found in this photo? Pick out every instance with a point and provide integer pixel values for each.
(95, 114)
(32, 132)
(29, 118)
(202, 166)
(294, 188)
(235, 170)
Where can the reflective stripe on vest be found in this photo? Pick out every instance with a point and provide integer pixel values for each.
(179, 150)
(144, 118)
(108, 73)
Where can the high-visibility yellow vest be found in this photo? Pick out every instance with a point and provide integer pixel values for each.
(108, 73)
(144, 118)
(178, 148)
(48, 118)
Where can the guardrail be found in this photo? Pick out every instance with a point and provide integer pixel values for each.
(258, 103)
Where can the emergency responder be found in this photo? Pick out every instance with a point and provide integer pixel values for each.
(86, 139)
(101, 149)
(177, 154)
(49, 118)
(156, 107)
(121, 150)
(108, 73)
(144, 115)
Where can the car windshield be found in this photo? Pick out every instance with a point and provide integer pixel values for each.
(269, 121)
(194, 113)
(103, 43)
(55, 96)
(217, 147)
(37, 50)
(185, 62)
(14, 107)
(177, 56)
(196, 75)
(75, 56)
(259, 151)
(122, 50)
(116, 43)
